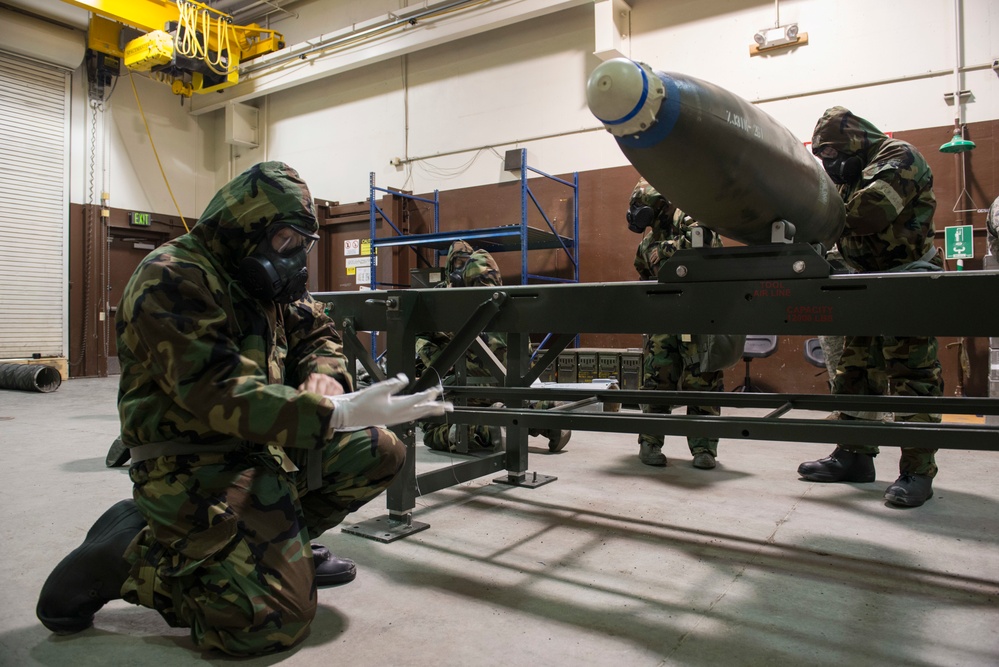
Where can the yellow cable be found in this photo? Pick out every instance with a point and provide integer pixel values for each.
(184, 31)
(149, 134)
(221, 44)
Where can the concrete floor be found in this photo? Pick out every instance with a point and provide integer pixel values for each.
(616, 563)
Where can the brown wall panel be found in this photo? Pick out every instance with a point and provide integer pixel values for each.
(965, 184)
(103, 255)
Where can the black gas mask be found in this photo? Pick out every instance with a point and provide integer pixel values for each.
(842, 168)
(276, 269)
(457, 276)
(640, 217)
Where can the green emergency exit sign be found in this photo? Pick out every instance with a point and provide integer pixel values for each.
(138, 219)
(959, 242)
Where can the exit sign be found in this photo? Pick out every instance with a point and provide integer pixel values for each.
(959, 242)
(138, 219)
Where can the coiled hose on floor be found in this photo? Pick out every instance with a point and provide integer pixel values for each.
(29, 377)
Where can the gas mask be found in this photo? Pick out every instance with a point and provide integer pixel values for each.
(457, 276)
(640, 217)
(276, 269)
(842, 168)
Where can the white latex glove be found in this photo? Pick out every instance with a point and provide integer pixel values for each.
(376, 406)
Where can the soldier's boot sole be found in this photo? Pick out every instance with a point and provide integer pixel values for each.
(92, 574)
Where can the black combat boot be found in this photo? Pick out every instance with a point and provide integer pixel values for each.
(92, 574)
(840, 466)
(331, 570)
(651, 454)
(704, 460)
(910, 490)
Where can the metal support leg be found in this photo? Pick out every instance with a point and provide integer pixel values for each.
(399, 523)
(401, 494)
(518, 360)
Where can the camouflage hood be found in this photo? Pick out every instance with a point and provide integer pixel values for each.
(890, 203)
(478, 269)
(457, 249)
(266, 194)
(849, 134)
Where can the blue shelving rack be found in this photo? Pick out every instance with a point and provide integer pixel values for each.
(505, 238)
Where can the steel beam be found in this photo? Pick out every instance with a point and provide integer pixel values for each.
(888, 434)
(715, 292)
(926, 304)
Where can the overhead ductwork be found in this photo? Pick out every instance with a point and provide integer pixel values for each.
(41, 40)
(251, 11)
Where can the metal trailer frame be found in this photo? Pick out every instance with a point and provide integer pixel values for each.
(784, 289)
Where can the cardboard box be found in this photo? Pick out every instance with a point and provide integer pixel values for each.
(425, 277)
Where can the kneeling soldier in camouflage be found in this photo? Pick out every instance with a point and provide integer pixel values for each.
(246, 440)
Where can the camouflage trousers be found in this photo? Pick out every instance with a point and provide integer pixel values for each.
(226, 551)
(674, 365)
(900, 366)
(832, 350)
(435, 436)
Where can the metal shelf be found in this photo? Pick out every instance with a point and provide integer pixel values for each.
(493, 239)
(505, 238)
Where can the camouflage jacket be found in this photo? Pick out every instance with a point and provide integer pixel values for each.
(662, 240)
(202, 362)
(889, 211)
(479, 270)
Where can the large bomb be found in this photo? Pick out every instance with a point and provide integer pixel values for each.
(728, 164)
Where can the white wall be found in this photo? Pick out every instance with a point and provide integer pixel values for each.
(456, 108)
(330, 130)
(851, 43)
(118, 153)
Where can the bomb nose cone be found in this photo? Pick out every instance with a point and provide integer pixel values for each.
(615, 89)
(624, 95)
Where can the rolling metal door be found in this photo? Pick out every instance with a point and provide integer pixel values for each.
(34, 204)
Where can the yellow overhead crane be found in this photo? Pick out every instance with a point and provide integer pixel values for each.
(191, 46)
